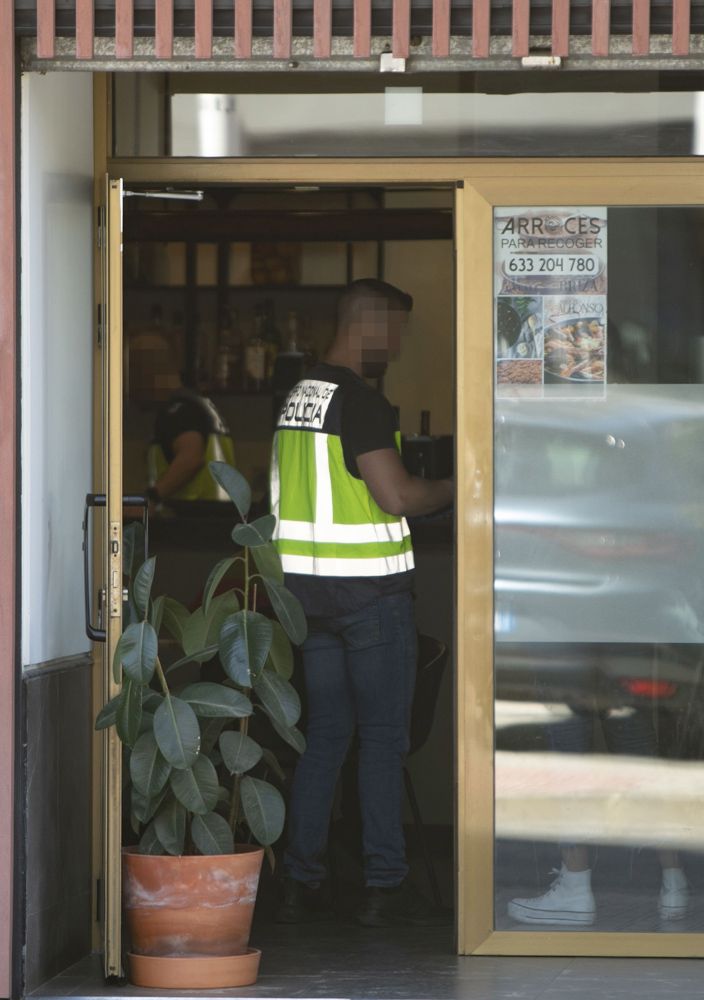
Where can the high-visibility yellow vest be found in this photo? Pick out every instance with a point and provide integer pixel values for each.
(218, 448)
(202, 486)
(327, 522)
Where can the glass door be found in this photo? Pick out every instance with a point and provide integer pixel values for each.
(583, 713)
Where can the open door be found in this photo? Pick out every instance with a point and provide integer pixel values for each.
(108, 563)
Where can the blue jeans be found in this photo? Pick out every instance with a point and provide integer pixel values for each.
(359, 672)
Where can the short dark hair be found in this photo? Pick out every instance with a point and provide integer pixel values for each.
(360, 291)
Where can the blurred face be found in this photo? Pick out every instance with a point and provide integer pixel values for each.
(376, 334)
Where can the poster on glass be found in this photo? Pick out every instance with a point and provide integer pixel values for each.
(550, 295)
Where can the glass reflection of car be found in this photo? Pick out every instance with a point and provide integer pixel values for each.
(599, 518)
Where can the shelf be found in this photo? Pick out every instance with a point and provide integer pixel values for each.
(253, 289)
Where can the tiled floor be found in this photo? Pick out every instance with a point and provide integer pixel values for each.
(352, 963)
(342, 961)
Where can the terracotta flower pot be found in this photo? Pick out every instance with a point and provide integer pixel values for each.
(196, 910)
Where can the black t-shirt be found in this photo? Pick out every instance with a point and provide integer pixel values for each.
(185, 411)
(368, 423)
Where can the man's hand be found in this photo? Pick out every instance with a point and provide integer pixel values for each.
(396, 490)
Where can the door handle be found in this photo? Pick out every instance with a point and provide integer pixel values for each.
(98, 633)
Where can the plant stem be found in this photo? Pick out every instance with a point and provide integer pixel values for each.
(235, 804)
(162, 678)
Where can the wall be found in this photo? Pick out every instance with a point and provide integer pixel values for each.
(56, 291)
(423, 377)
(56, 435)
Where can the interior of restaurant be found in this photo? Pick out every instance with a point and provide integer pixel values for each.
(236, 293)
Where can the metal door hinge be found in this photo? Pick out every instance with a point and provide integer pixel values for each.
(99, 331)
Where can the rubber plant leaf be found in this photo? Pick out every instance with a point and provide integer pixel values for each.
(281, 654)
(149, 842)
(268, 562)
(264, 809)
(245, 641)
(138, 651)
(129, 712)
(170, 826)
(174, 619)
(210, 700)
(149, 769)
(202, 631)
(288, 610)
(142, 585)
(234, 484)
(254, 534)
(240, 753)
(177, 732)
(279, 698)
(107, 716)
(196, 787)
(212, 835)
(214, 579)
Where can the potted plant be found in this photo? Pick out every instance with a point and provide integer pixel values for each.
(197, 797)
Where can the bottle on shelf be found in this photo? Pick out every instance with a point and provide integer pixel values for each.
(228, 355)
(271, 336)
(305, 344)
(289, 365)
(425, 423)
(292, 333)
(255, 357)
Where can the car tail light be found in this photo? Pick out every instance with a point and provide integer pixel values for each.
(615, 545)
(645, 687)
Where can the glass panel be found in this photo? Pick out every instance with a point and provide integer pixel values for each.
(599, 550)
(431, 114)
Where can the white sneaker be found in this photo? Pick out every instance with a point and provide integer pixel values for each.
(674, 895)
(568, 901)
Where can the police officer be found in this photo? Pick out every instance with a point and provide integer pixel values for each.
(188, 430)
(340, 493)
(188, 433)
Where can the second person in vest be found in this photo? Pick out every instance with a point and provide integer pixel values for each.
(341, 496)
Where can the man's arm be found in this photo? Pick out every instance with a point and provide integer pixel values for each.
(396, 490)
(189, 456)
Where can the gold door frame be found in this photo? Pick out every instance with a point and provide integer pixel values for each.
(480, 185)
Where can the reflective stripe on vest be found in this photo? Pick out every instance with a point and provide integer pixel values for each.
(218, 448)
(328, 523)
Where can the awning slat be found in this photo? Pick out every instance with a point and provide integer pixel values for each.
(362, 43)
(283, 28)
(46, 28)
(641, 27)
(521, 28)
(322, 29)
(654, 30)
(124, 28)
(243, 29)
(85, 28)
(681, 13)
(441, 28)
(204, 29)
(481, 25)
(401, 37)
(164, 29)
(601, 27)
(560, 27)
